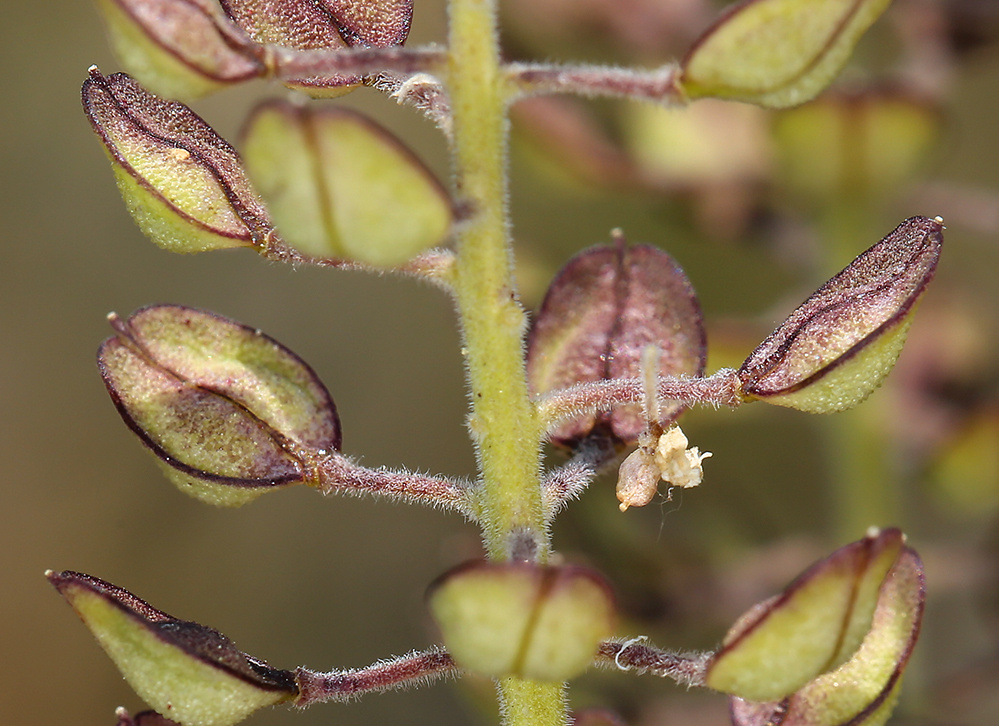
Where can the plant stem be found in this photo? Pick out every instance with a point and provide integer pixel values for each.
(503, 419)
(503, 422)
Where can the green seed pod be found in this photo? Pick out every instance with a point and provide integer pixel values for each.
(605, 306)
(835, 349)
(777, 53)
(814, 626)
(863, 690)
(341, 187)
(183, 184)
(191, 672)
(181, 49)
(229, 412)
(541, 623)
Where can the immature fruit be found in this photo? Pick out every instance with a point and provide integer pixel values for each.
(524, 620)
(836, 348)
(605, 306)
(777, 53)
(340, 186)
(182, 182)
(229, 412)
(189, 672)
(814, 626)
(181, 49)
(863, 690)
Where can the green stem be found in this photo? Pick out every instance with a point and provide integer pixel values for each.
(504, 422)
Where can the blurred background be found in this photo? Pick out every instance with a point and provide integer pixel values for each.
(758, 207)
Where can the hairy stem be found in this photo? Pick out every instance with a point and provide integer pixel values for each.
(503, 421)
(555, 408)
(336, 473)
(534, 79)
(286, 63)
(414, 668)
(687, 669)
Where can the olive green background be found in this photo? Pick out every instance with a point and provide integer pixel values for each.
(338, 582)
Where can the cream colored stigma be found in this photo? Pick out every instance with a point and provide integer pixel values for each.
(667, 459)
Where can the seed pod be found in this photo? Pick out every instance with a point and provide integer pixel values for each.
(340, 186)
(189, 671)
(372, 23)
(835, 349)
(297, 24)
(777, 53)
(229, 412)
(183, 184)
(813, 627)
(864, 689)
(180, 49)
(854, 148)
(601, 311)
(541, 623)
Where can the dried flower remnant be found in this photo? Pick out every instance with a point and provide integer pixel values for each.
(189, 671)
(181, 49)
(777, 53)
(340, 186)
(667, 459)
(835, 349)
(522, 619)
(182, 182)
(604, 307)
(229, 412)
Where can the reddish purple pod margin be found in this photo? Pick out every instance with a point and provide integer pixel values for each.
(199, 641)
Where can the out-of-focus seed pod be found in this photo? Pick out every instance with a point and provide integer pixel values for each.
(964, 474)
(183, 184)
(777, 53)
(835, 349)
(229, 412)
(863, 690)
(813, 627)
(372, 23)
(853, 148)
(601, 311)
(191, 672)
(339, 186)
(180, 49)
(521, 619)
(297, 24)
(705, 144)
